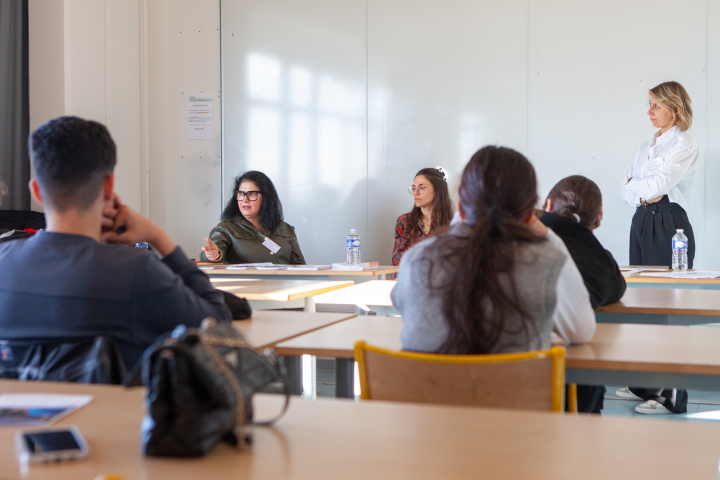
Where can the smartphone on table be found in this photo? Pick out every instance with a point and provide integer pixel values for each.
(51, 445)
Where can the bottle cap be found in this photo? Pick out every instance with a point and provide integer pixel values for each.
(352, 230)
(680, 230)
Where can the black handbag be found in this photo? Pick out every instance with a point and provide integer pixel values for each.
(200, 385)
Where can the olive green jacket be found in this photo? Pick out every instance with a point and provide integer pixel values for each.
(240, 242)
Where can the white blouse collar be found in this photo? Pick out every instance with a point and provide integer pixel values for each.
(660, 139)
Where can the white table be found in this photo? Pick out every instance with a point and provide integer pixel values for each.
(264, 294)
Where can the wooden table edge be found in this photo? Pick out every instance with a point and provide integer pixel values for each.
(319, 291)
(630, 366)
(689, 281)
(318, 352)
(273, 344)
(615, 308)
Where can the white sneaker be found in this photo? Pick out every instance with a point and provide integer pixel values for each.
(651, 407)
(626, 393)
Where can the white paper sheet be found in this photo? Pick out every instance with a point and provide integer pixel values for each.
(697, 274)
(247, 266)
(309, 267)
(38, 409)
(199, 117)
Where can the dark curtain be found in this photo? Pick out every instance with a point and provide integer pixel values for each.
(14, 104)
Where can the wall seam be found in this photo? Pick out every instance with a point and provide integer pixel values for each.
(707, 110)
(105, 55)
(527, 78)
(367, 120)
(222, 118)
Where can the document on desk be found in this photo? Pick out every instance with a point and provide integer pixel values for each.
(696, 274)
(199, 117)
(38, 409)
(248, 266)
(309, 267)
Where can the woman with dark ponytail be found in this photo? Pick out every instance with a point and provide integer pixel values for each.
(573, 210)
(497, 282)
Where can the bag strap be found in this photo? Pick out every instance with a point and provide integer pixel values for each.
(209, 340)
(267, 423)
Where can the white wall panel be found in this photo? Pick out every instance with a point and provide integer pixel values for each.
(712, 169)
(294, 108)
(183, 49)
(84, 61)
(444, 79)
(122, 95)
(590, 67)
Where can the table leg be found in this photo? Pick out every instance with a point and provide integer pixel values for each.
(293, 374)
(345, 378)
(310, 304)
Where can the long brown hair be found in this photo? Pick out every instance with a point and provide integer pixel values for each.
(577, 195)
(498, 191)
(442, 211)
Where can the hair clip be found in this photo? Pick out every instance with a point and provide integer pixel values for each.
(577, 217)
(442, 172)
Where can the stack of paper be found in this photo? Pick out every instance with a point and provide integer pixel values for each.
(646, 268)
(309, 267)
(348, 267)
(696, 274)
(248, 266)
(272, 267)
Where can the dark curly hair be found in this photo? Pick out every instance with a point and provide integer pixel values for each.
(271, 213)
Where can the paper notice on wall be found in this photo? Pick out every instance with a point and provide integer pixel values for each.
(199, 118)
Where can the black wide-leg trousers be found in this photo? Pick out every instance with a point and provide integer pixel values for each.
(651, 244)
(652, 230)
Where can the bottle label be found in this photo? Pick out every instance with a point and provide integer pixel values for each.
(679, 244)
(353, 242)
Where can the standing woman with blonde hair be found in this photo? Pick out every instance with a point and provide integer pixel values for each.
(658, 183)
(659, 180)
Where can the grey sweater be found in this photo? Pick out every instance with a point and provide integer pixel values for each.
(418, 297)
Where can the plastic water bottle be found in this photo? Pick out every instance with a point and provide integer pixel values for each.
(353, 247)
(679, 251)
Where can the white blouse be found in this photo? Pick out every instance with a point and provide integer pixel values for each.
(665, 165)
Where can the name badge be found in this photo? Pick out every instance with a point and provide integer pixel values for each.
(270, 245)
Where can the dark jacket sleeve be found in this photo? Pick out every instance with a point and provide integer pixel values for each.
(170, 292)
(297, 257)
(615, 284)
(223, 241)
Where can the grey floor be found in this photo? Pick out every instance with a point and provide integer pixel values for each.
(702, 406)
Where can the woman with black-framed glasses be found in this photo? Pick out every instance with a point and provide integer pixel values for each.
(252, 229)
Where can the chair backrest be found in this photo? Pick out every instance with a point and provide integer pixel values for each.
(528, 380)
(90, 360)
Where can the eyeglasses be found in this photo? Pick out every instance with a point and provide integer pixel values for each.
(421, 188)
(252, 195)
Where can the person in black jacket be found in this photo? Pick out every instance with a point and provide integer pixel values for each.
(573, 209)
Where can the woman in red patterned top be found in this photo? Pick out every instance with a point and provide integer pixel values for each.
(433, 210)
